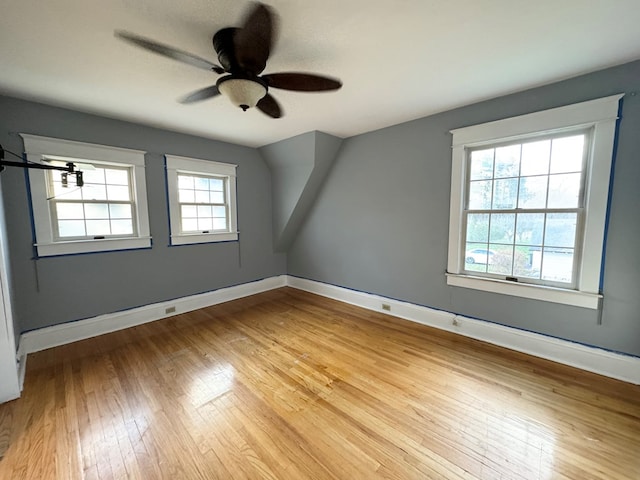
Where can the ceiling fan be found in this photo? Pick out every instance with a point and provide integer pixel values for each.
(242, 53)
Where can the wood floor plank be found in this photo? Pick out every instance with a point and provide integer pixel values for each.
(289, 385)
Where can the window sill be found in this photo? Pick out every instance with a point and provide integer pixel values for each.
(535, 292)
(188, 239)
(91, 246)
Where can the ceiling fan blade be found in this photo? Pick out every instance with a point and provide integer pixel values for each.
(302, 82)
(202, 94)
(269, 106)
(253, 41)
(167, 51)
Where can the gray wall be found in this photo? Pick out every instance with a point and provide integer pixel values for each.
(380, 223)
(52, 290)
(298, 168)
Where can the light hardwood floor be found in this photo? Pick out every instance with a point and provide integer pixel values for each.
(289, 385)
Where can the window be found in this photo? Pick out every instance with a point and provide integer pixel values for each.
(202, 200)
(528, 203)
(109, 212)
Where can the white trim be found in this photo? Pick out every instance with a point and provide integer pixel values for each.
(572, 116)
(22, 369)
(212, 237)
(196, 165)
(593, 359)
(37, 148)
(527, 290)
(175, 165)
(92, 246)
(48, 337)
(600, 115)
(38, 145)
(9, 374)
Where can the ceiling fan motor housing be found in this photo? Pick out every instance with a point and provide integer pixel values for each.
(223, 45)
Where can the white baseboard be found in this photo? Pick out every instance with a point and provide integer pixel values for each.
(64, 333)
(611, 364)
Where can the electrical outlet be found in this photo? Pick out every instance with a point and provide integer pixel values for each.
(386, 306)
(170, 310)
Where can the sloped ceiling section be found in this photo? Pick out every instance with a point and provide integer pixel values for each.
(298, 167)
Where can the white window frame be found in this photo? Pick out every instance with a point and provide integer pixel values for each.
(174, 165)
(38, 148)
(601, 116)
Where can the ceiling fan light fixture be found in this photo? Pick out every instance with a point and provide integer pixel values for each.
(241, 92)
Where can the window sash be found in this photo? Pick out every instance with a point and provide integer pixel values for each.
(513, 245)
(196, 204)
(54, 201)
(513, 275)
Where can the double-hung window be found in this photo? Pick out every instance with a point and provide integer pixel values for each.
(202, 200)
(529, 200)
(108, 211)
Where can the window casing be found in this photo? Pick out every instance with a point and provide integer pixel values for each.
(108, 213)
(531, 223)
(202, 200)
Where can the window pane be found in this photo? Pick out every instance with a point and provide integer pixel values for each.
(93, 176)
(480, 195)
(71, 228)
(502, 227)
(478, 227)
(557, 264)
(219, 212)
(500, 259)
(204, 211)
(505, 193)
(205, 224)
(216, 184)
(118, 193)
(202, 196)
(201, 183)
(121, 227)
(94, 192)
(567, 154)
(476, 257)
(69, 211)
(120, 211)
(481, 164)
(186, 196)
(185, 181)
(71, 192)
(96, 210)
(564, 190)
(507, 161)
(527, 262)
(533, 192)
(98, 227)
(220, 224)
(560, 230)
(535, 158)
(189, 224)
(117, 177)
(529, 229)
(217, 197)
(189, 211)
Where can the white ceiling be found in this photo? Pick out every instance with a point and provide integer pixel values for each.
(398, 59)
